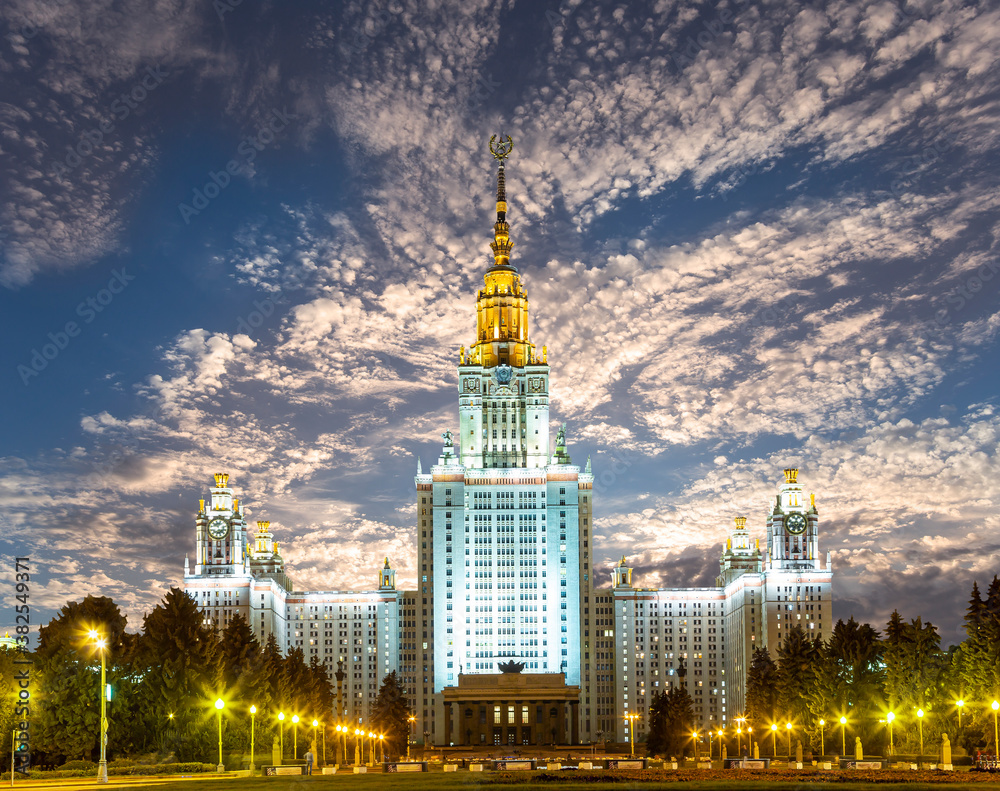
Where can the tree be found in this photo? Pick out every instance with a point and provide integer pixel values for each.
(186, 655)
(796, 666)
(391, 714)
(297, 678)
(977, 659)
(68, 667)
(671, 714)
(894, 652)
(762, 690)
(856, 659)
(321, 697)
(273, 676)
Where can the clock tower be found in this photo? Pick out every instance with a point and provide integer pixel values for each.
(793, 527)
(222, 543)
(797, 580)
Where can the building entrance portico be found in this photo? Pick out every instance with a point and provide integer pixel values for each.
(512, 709)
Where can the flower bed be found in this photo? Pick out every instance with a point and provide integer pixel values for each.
(810, 775)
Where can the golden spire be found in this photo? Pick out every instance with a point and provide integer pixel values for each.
(791, 475)
(502, 305)
(501, 243)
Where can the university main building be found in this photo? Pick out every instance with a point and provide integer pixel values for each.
(509, 639)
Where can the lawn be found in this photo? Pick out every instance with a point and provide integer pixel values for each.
(702, 780)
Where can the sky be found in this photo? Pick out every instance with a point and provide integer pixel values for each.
(246, 237)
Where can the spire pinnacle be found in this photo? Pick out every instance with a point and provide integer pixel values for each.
(501, 244)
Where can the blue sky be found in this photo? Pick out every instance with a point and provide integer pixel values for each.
(754, 235)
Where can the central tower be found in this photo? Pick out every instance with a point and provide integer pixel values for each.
(504, 519)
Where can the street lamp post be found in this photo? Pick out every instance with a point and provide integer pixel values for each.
(411, 719)
(253, 711)
(315, 725)
(711, 735)
(788, 730)
(381, 746)
(102, 767)
(694, 738)
(219, 706)
(889, 718)
(721, 742)
(996, 734)
(281, 731)
(631, 718)
(959, 703)
(295, 736)
(822, 738)
(774, 739)
(843, 738)
(739, 741)
(357, 747)
(920, 726)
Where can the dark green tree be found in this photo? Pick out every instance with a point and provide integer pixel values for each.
(68, 668)
(895, 655)
(671, 715)
(240, 656)
(976, 662)
(186, 684)
(298, 681)
(390, 715)
(273, 675)
(856, 659)
(798, 656)
(321, 697)
(762, 690)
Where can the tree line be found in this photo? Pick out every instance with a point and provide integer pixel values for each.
(165, 681)
(863, 675)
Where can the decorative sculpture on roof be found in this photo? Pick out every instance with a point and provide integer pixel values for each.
(511, 666)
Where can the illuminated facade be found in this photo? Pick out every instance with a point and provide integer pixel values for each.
(759, 595)
(234, 574)
(505, 574)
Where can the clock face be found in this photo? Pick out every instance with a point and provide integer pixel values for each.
(796, 523)
(218, 528)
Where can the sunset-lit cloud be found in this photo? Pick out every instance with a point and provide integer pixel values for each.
(752, 237)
